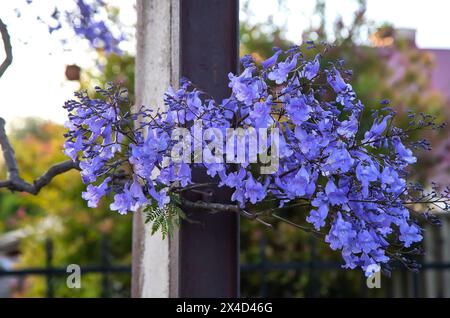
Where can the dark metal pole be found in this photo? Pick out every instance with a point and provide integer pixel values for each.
(209, 251)
(49, 267)
(105, 264)
(263, 268)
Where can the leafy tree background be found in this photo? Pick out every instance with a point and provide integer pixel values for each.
(60, 213)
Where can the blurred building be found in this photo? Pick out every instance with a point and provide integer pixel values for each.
(9, 254)
(386, 38)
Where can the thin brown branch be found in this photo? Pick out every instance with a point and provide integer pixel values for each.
(8, 49)
(220, 207)
(14, 182)
(212, 206)
(8, 152)
(304, 228)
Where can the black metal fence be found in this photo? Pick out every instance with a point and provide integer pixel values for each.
(50, 272)
(411, 286)
(403, 283)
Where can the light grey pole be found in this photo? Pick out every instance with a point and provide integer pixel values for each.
(155, 261)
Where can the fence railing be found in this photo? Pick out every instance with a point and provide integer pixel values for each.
(50, 272)
(407, 284)
(404, 282)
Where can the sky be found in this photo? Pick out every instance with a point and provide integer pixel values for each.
(429, 18)
(35, 84)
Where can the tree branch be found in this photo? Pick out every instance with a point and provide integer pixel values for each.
(14, 182)
(8, 49)
(213, 206)
(220, 207)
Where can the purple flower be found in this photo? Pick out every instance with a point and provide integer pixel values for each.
(71, 148)
(184, 174)
(311, 68)
(284, 149)
(336, 196)
(339, 159)
(366, 242)
(271, 60)
(317, 217)
(391, 180)
(247, 61)
(309, 144)
(213, 168)
(403, 153)
(366, 173)
(377, 129)
(167, 175)
(234, 179)
(254, 190)
(137, 193)
(239, 196)
(261, 114)
(298, 110)
(123, 202)
(245, 87)
(145, 155)
(348, 128)
(409, 234)
(88, 22)
(94, 193)
(194, 106)
(90, 169)
(341, 233)
(280, 73)
(161, 197)
(337, 82)
(302, 184)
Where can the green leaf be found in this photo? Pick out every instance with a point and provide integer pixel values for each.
(165, 219)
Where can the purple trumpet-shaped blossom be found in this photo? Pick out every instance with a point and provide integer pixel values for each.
(94, 193)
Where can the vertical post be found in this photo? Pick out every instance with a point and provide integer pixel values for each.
(49, 267)
(209, 247)
(313, 281)
(155, 261)
(431, 246)
(263, 266)
(105, 264)
(197, 39)
(445, 232)
(397, 282)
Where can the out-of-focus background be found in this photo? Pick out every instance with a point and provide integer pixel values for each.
(397, 49)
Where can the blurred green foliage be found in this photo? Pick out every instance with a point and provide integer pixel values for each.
(59, 213)
(117, 69)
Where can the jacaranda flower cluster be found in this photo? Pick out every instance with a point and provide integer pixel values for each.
(87, 24)
(354, 181)
(89, 20)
